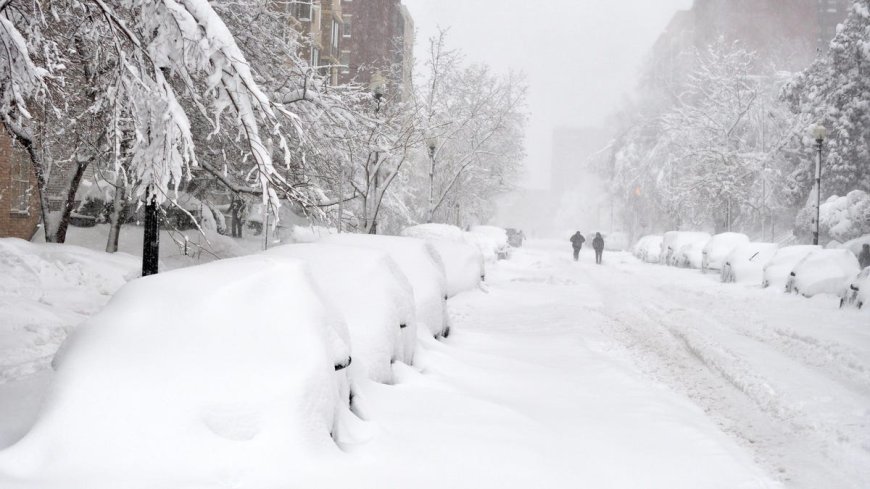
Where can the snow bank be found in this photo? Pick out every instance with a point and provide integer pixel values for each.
(823, 272)
(491, 240)
(718, 248)
(419, 261)
(857, 293)
(45, 291)
(776, 272)
(464, 264)
(648, 248)
(746, 262)
(674, 241)
(223, 371)
(374, 297)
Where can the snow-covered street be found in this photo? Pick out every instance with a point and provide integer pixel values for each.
(625, 375)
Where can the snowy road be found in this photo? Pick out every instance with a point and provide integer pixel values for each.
(627, 375)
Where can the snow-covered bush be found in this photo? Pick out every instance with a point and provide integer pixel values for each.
(492, 242)
(234, 367)
(674, 241)
(718, 248)
(374, 297)
(857, 292)
(746, 262)
(464, 264)
(648, 248)
(776, 271)
(840, 218)
(823, 272)
(419, 261)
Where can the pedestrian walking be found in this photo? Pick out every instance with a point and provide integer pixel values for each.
(864, 256)
(598, 246)
(577, 243)
(237, 210)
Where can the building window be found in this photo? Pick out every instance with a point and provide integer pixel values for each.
(315, 57)
(301, 9)
(21, 186)
(336, 36)
(347, 25)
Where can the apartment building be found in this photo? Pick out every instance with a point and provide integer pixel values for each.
(380, 39)
(19, 199)
(322, 24)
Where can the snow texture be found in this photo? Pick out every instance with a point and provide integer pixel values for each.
(374, 297)
(719, 247)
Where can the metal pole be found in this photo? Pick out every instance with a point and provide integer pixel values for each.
(819, 143)
(340, 197)
(266, 211)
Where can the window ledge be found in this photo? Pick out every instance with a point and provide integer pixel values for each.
(15, 213)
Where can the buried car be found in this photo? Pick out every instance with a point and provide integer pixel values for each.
(857, 293)
(746, 262)
(822, 272)
(718, 248)
(464, 264)
(777, 271)
(648, 248)
(674, 241)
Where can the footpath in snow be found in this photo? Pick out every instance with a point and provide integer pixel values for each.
(620, 376)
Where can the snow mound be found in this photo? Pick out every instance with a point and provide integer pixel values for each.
(674, 241)
(230, 369)
(491, 240)
(857, 293)
(648, 248)
(823, 272)
(374, 297)
(464, 264)
(420, 262)
(776, 272)
(746, 262)
(719, 247)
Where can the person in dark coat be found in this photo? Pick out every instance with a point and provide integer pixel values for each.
(237, 210)
(598, 245)
(864, 256)
(577, 242)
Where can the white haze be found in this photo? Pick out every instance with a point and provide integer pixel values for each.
(581, 57)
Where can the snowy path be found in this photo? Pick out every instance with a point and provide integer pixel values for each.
(626, 375)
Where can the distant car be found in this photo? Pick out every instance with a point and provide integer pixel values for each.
(718, 248)
(515, 237)
(746, 262)
(492, 241)
(857, 293)
(823, 272)
(777, 270)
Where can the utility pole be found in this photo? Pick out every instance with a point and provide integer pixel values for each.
(151, 238)
(820, 134)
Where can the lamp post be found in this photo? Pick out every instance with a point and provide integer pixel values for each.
(378, 86)
(432, 144)
(819, 133)
(151, 238)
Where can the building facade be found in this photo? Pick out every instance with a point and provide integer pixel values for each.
(380, 40)
(19, 197)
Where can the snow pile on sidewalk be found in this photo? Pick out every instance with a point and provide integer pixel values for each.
(464, 264)
(223, 372)
(45, 291)
(421, 264)
(374, 297)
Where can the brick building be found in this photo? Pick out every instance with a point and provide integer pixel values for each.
(380, 40)
(19, 198)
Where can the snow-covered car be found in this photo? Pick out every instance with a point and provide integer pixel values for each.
(746, 262)
(374, 297)
(492, 242)
(464, 264)
(236, 363)
(856, 244)
(648, 248)
(691, 255)
(674, 241)
(422, 264)
(718, 248)
(777, 270)
(857, 293)
(823, 272)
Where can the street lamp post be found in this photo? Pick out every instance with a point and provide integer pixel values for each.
(819, 133)
(378, 86)
(151, 238)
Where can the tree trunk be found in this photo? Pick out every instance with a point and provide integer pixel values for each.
(116, 218)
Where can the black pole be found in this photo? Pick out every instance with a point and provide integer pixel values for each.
(151, 243)
(819, 143)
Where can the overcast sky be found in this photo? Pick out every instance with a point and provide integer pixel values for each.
(580, 57)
